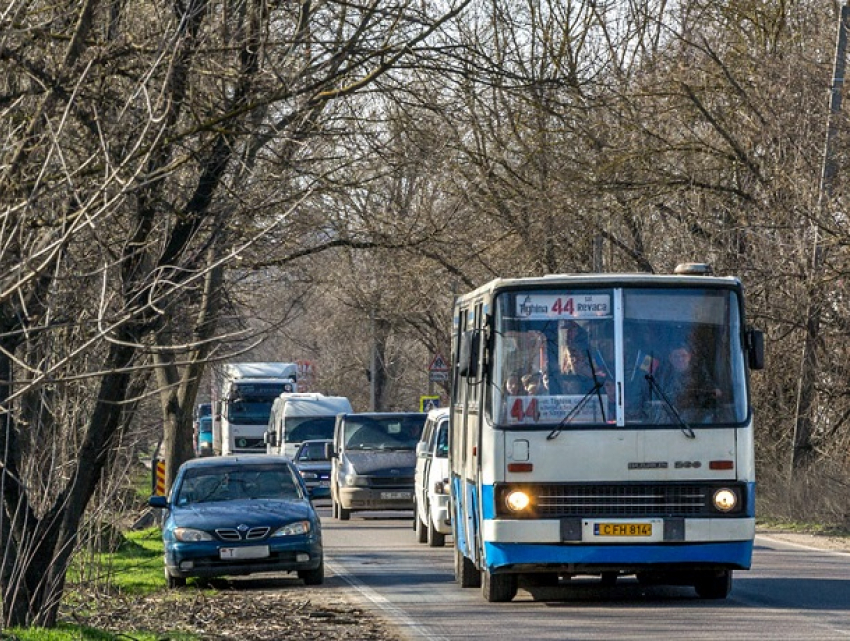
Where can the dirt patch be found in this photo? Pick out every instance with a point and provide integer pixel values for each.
(251, 612)
(813, 540)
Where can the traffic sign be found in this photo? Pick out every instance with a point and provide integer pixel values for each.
(438, 364)
(427, 403)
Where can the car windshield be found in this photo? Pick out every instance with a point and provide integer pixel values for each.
(311, 452)
(383, 433)
(250, 411)
(204, 485)
(310, 427)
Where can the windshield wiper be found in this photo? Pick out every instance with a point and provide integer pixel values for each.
(596, 389)
(687, 430)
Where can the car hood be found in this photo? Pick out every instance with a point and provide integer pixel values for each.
(250, 512)
(382, 462)
(324, 466)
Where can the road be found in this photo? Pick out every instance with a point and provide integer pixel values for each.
(792, 592)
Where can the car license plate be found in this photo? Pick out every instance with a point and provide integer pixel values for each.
(396, 495)
(622, 529)
(324, 483)
(249, 552)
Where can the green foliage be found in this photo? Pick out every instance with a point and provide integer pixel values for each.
(134, 568)
(64, 632)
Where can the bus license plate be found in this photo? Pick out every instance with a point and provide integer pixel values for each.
(622, 529)
(249, 552)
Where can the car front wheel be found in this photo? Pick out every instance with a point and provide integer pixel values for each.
(313, 577)
(173, 582)
(435, 538)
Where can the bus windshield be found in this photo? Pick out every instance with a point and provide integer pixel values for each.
(609, 357)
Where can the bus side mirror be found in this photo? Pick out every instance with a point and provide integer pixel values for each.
(329, 451)
(270, 438)
(755, 348)
(467, 364)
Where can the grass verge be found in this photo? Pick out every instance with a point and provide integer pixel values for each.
(133, 570)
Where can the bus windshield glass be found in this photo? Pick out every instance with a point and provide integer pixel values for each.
(618, 357)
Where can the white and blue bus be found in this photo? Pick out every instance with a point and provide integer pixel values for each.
(634, 453)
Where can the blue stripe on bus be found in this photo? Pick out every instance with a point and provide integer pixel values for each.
(736, 554)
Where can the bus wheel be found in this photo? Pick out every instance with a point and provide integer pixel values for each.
(714, 585)
(609, 579)
(466, 574)
(344, 515)
(498, 588)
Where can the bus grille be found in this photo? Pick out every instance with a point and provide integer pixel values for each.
(624, 500)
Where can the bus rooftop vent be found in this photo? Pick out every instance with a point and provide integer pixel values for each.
(693, 269)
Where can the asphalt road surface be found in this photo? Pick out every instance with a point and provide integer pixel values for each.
(792, 592)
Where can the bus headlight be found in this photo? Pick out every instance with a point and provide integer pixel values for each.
(725, 500)
(517, 500)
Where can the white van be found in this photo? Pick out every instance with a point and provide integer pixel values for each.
(302, 416)
(432, 514)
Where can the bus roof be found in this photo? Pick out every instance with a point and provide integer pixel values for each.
(605, 280)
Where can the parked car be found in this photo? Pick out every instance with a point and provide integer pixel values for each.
(431, 513)
(373, 461)
(240, 515)
(312, 460)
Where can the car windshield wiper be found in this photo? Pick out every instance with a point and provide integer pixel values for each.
(596, 389)
(687, 430)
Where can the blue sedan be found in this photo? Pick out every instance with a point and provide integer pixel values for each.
(239, 515)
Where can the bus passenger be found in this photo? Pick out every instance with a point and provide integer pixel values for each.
(512, 386)
(688, 385)
(533, 384)
(577, 372)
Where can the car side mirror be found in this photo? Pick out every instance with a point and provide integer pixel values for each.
(755, 348)
(158, 501)
(329, 451)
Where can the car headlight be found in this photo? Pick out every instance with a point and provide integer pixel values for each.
(188, 534)
(293, 529)
(354, 479)
(725, 500)
(517, 501)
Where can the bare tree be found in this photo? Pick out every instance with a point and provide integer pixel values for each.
(147, 153)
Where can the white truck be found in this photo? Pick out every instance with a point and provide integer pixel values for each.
(247, 393)
(302, 417)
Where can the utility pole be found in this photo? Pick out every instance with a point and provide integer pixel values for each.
(803, 451)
